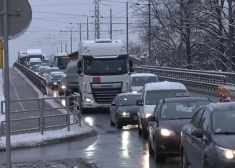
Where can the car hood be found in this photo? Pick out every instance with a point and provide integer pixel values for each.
(136, 88)
(149, 108)
(224, 141)
(128, 108)
(175, 125)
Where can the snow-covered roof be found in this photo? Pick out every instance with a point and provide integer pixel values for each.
(164, 86)
(34, 52)
(142, 74)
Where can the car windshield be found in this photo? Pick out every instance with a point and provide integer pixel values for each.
(181, 109)
(142, 80)
(110, 66)
(49, 71)
(62, 62)
(154, 96)
(57, 77)
(128, 100)
(223, 121)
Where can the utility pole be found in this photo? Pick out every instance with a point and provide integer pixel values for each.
(149, 31)
(127, 28)
(66, 50)
(71, 40)
(80, 29)
(6, 82)
(97, 19)
(61, 49)
(230, 36)
(111, 24)
(87, 31)
(181, 36)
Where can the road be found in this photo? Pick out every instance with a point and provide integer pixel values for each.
(21, 89)
(112, 148)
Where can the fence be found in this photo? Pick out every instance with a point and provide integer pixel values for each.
(41, 113)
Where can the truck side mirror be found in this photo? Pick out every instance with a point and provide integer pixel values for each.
(131, 69)
(79, 64)
(79, 71)
(130, 63)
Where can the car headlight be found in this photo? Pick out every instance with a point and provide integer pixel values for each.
(88, 100)
(55, 83)
(134, 91)
(63, 87)
(167, 132)
(125, 113)
(147, 115)
(226, 153)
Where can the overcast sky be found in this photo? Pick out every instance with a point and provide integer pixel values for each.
(52, 16)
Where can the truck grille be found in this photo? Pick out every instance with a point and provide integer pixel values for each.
(105, 95)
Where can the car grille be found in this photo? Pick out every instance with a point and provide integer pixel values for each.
(105, 95)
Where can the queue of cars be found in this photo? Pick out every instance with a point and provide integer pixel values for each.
(196, 129)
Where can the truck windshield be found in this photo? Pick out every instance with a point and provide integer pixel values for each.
(62, 62)
(34, 56)
(111, 66)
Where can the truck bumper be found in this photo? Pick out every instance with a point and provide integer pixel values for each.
(89, 103)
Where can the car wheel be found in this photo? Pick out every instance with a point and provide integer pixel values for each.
(151, 151)
(206, 164)
(159, 158)
(144, 132)
(118, 125)
(111, 122)
(139, 130)
(184, 161)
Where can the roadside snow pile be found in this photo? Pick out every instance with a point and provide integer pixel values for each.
(2, 98)
(63, 163)
(36, 139)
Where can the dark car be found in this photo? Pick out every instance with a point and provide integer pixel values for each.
(209, 140)
(63, 86)
(55, 81)
(124, 110)
(167, 122)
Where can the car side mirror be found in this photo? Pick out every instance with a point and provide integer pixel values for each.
(79, 64)
(197, 133)
(130, 63)
(139, 103)
(113, 104)
(79, 71)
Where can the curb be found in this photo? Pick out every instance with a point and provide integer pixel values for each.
(55, 141)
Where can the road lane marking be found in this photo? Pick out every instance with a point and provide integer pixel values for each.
(17, 95)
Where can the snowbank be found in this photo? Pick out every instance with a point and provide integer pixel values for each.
(36, 139)
(2, 98)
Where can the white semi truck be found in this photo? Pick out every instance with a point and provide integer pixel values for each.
(33, 53)
(103, 71)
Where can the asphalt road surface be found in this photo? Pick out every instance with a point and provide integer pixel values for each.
(112, 148)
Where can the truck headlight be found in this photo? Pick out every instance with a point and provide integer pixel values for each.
(226, 153)
(88, 100)
(167, 132)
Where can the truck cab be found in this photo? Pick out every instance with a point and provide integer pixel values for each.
(103, 72)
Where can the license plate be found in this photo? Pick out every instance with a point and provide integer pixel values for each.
(135, 118)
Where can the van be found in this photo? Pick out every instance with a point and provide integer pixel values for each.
(151, 94)
(138, 80)
(34, 61)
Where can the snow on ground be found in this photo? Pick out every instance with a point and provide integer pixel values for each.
(62, 163)
(2, 98)
(35, 139)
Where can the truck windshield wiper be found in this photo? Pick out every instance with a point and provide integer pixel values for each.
(226, 133)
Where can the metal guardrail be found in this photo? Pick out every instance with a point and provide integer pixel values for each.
(41, 115)
(31, 75)
(229, 76)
